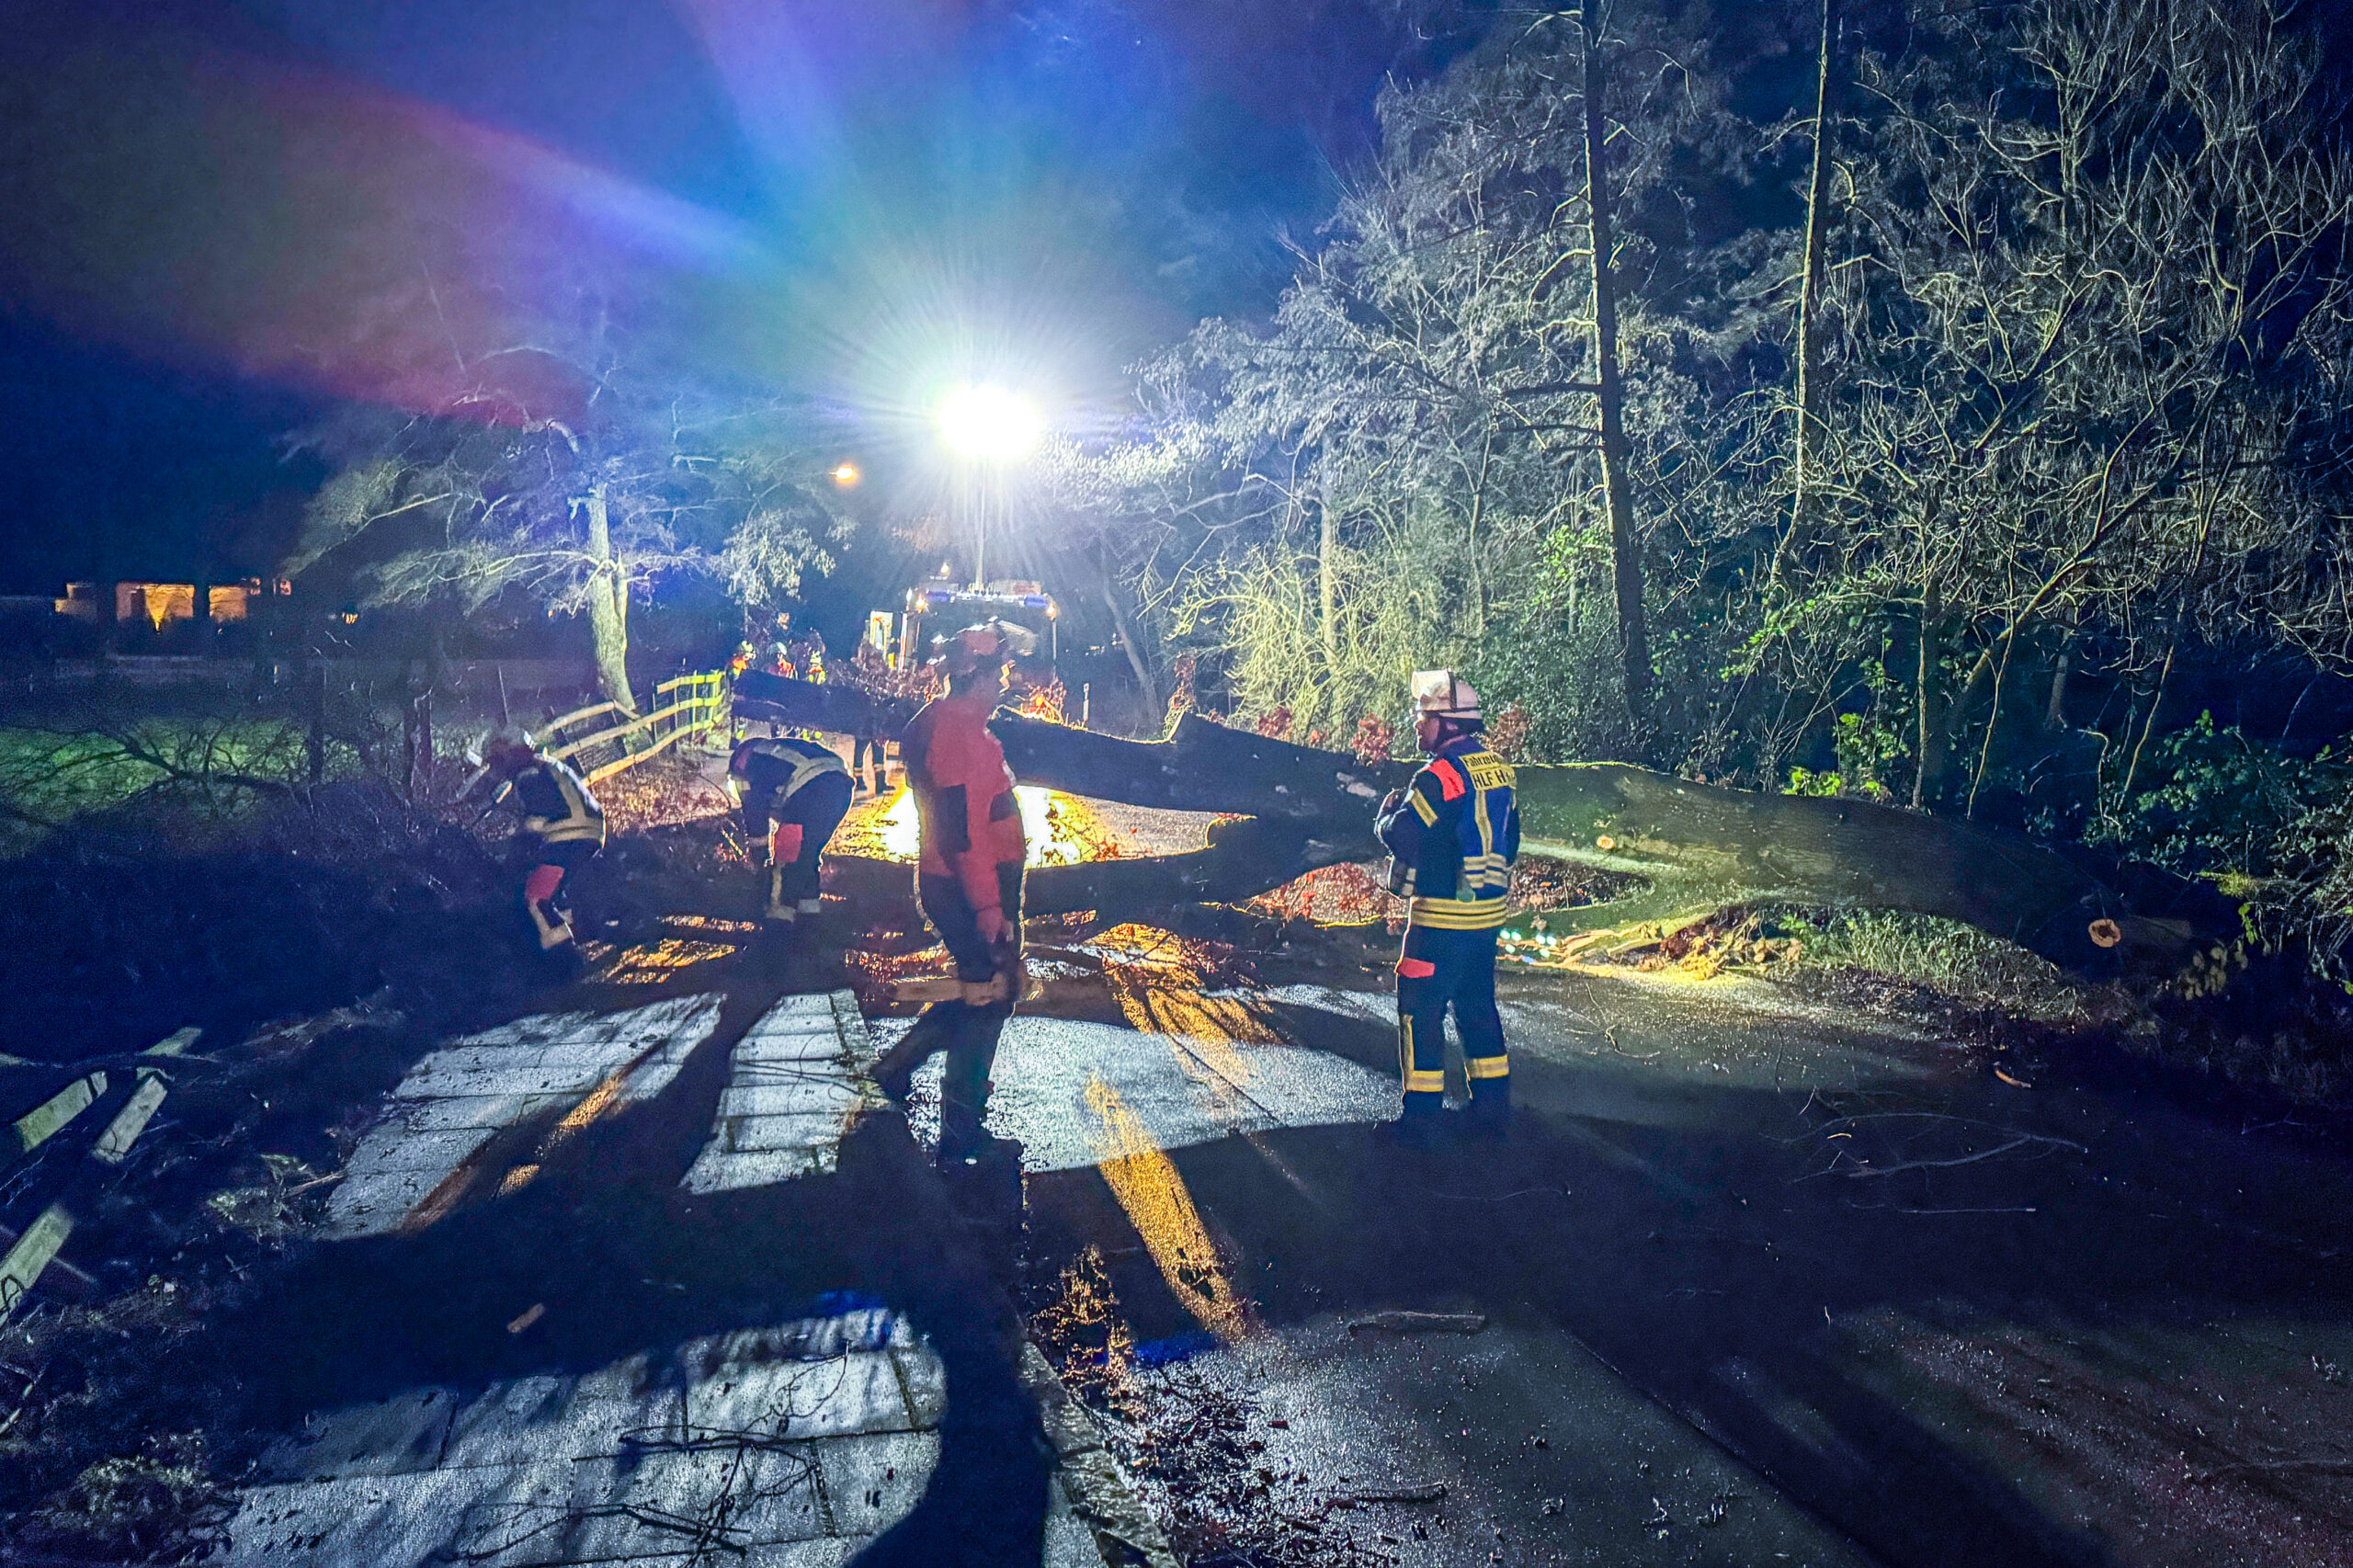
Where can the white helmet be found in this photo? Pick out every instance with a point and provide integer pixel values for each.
(1442, 694)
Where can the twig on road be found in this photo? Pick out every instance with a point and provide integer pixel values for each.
(1423, 1492)
(1420, 1322)
(1890, 1209)
(2023, 1140)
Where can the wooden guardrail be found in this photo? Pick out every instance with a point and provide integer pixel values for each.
(601, 740)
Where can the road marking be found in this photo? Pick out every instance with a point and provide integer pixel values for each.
(796, 1444)
(114, 1144)
(22, 1268)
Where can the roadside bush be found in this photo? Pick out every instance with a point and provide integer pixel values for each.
(2309, 899)
(2210, 800)
(111, 936)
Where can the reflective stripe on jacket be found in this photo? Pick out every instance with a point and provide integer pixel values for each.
(963, 797)
(781, 764)
(1455, 834)
(555, 804)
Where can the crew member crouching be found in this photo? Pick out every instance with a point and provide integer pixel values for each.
(1454, 834)
(804, 788)
(559, 826)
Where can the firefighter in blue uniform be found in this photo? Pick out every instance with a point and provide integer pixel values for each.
(804, 788)
(1454, 834)
(559, 828)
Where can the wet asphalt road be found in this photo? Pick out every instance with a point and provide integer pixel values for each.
(1763, 1282)
(1760, 1282)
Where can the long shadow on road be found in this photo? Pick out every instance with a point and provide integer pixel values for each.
(622, 1260)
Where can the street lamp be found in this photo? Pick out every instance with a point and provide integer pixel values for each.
(987, 426)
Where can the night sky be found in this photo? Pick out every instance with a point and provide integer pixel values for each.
(194, 186)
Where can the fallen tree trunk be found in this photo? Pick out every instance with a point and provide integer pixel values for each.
(1205, 766)
(1698, 846)
(1242, 860)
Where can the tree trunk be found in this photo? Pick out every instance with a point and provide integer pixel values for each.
(608, 607)
(315, 733)
(1700, 846)
(1929, 777)
(1471, 538)
(1241, 860)
(1137, 664)
(416, 733)
(1625, 551)
(1327, 570)
(1703, 848)
(1817, 222)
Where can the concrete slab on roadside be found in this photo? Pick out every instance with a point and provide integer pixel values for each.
(456, 1099)
(795, 1080)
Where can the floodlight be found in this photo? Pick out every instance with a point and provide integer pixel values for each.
(989, 423)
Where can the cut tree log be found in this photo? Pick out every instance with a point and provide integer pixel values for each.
(1699, 847)
(1204, 767)
(1243, 859)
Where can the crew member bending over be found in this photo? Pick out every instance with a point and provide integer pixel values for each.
(804, 788)
(1454, 834)
(560, 827)
(968, 880)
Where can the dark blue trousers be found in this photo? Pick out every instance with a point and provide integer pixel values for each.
(1439, 970)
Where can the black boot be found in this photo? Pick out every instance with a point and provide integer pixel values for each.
(1488, 1116)
(1420, 1127)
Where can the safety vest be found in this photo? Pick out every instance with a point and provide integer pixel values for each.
(555, 804)
(782, 765)
(1456, 869)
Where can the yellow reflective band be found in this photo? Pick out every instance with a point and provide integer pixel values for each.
(1487, 1066)
(1431, 1083)
(1457, 914)
(1422, 808)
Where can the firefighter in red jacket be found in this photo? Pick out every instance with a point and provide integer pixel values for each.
(968, 880)
(559, 826)
(1454, 834)
(804, 788)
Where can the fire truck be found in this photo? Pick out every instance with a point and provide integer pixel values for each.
(941, 606)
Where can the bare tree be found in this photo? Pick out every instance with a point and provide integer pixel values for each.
(2095, 387)
(578, 486)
